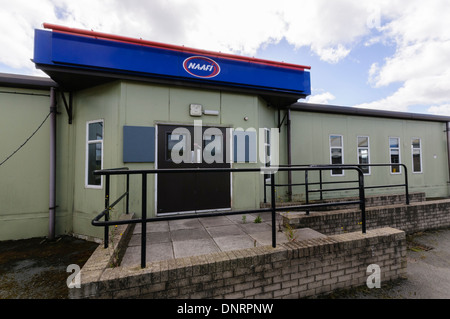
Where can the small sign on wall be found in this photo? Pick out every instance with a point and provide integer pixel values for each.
(138, 144)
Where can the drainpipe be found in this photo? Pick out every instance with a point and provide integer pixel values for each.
(448, 147)
(52, 198)
(289, 155)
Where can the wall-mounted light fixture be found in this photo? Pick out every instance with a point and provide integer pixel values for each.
(211, 112)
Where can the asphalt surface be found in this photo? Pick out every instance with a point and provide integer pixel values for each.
(428, 272)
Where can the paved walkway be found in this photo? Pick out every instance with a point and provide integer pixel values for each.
(428, 266)
(190, 237)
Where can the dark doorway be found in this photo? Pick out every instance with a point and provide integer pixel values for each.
(179, 147)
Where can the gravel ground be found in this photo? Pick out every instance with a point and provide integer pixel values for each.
(37, 268)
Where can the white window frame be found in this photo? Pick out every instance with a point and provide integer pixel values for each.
(342, 152)
(89, 142)
(267, 146)
(420, 155)
(252, 145)
(364, 147)
(399, 155)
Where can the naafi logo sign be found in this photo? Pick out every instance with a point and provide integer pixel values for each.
(201, 67)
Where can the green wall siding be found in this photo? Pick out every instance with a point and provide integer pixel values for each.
(310, 140)
(24, 178)
(99, 103)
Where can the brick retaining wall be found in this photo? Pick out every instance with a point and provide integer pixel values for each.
(371, 201)
(291, 270)
(417, 216)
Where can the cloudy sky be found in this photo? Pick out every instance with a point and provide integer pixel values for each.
(392, 55)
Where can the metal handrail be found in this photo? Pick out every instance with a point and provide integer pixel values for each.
(108, 207)
(267, 170)
(321, 190)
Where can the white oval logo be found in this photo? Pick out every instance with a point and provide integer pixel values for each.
(201, 67)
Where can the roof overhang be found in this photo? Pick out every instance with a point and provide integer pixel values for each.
(26, 81)
(77, 59)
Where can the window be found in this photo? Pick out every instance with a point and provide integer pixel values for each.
(336, 153)
(267, 152)
(363, 153)
(244, 146)
(394, 154)
(267, 157)
(94, 153)
(213, 146)
(173, 140)
(416, 151)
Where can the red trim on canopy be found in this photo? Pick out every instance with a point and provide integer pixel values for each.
(106, 36)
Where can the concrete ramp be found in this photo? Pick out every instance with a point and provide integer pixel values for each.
(193, 237)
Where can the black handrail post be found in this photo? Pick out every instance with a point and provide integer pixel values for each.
(320, 180)
(265, 186)
(106, 236)
(128, 195)
(406, 184)
(306, 191)
(272, 191)
(362, 200)
(144, 220)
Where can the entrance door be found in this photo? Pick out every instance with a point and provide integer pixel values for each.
(187, 192)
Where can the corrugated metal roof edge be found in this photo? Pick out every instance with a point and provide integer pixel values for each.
(336, 109)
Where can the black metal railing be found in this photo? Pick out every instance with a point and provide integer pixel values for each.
(108, 207)
(321, 183)
(266, 170)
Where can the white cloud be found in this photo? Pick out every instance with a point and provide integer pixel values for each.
(422, 90)
(426, 58)
(330, 29)
(443, 109)
(333, 55)
(17, 20)
(322, 98)
(421, 34)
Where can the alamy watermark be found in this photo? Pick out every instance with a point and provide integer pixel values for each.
(74, 280)
(374, 279)
(240, 145)
(374, 17)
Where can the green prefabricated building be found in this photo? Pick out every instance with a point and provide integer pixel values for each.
(114, 102)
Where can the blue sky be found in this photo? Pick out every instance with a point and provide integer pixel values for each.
(377, 54)
(347, 80)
